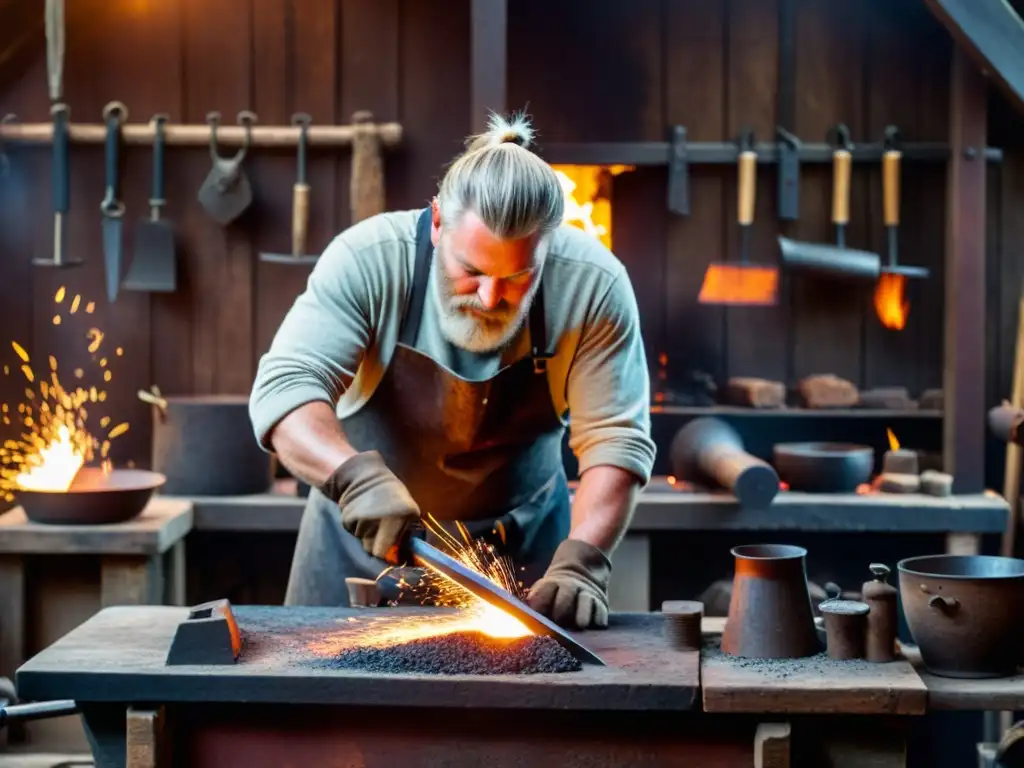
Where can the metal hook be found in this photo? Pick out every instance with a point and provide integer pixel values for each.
(246, 118)
(839, 137)
(212, 119)
(5, 161)
(893, 138)
(116, 110)
(747, 140)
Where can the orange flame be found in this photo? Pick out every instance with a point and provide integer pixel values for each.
(890, 300)
(588, 205)
(894, 444)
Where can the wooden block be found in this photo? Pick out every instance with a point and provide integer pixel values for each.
(931, 400)
(755, 393)
(144, 739)
(771, 745)
(893, 482)
(815, 685)
(828, 391)
(936, 483)
(887, 398)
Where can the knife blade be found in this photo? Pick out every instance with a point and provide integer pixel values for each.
(427, 556)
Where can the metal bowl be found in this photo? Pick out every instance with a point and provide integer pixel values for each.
(964, 612)
(824, 467)
(94, 498)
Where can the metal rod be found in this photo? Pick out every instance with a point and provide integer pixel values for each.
(199, 135)
(725, 153)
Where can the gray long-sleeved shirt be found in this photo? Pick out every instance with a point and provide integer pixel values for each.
(336, 341)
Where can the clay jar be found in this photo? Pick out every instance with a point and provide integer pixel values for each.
(770, 614)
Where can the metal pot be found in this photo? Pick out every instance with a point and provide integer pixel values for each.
(770, 615)
(824, 467)
(205, 446)
(964, 612)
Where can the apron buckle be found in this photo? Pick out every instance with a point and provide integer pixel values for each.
(540, 361)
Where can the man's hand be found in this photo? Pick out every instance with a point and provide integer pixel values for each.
(375, 505)
(574, 590)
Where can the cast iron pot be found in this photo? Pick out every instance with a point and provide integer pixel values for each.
(94, 498)
(205, 446)
(964, 612)
(824, 467)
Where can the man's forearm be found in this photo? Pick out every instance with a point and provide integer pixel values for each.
(310, 442)
(603, 506)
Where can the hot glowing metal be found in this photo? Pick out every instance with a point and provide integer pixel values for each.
(425, 555)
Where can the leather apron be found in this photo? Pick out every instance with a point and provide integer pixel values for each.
(478, 452)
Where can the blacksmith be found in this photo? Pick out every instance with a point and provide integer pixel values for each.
(432, 365)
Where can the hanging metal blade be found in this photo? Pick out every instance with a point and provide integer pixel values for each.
(426, 556)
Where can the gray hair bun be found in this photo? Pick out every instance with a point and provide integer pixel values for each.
(504, 130)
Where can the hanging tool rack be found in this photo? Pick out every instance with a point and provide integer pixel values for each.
(180, 135)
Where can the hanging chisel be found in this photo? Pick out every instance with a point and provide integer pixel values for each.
(112, 208)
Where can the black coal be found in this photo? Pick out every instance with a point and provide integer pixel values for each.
(462, 653)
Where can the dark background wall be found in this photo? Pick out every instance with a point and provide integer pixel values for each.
(586, 72)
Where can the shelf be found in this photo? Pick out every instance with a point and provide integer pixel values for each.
(820, 413)
(725, 153)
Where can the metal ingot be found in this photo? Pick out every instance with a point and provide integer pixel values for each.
(770, 614)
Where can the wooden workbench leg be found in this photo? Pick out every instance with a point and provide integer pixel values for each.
(963, 544)
(630, 585)
(771, 745)
(12, 628)
(174, 574)
(144, 743)
(131, 580)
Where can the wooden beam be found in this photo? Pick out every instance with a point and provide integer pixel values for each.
(964, 361)
(992, 33)
(22, 37)
(489, 61)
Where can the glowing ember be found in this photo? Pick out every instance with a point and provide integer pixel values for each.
(894, 444)
(890, 301)
(588, 203)
(54, 442)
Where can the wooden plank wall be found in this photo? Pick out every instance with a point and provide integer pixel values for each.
(586, 71)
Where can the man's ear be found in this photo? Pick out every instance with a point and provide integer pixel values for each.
(435, 222)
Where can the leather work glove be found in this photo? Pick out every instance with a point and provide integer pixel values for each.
(574, 590)
(375, 505)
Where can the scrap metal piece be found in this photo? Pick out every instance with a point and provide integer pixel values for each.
(427, 556)
(678, 173)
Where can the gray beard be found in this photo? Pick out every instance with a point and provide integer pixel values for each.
(472, 332)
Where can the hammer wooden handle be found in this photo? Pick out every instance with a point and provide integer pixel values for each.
(300, 218)
(747, 187)
(841, 162)
(891, 186)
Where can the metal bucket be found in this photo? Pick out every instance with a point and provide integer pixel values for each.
(964, 612)
(770, 614)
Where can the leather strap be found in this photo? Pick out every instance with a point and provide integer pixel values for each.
(420, 278)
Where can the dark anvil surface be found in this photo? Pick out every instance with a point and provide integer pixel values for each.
(118, 655)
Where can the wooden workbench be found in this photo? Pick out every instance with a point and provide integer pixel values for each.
(140, 562)
(640, 710)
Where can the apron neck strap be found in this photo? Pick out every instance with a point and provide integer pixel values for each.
(421, 277)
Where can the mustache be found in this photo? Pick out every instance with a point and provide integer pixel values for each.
(503, 309)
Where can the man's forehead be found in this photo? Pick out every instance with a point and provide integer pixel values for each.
(473, 244)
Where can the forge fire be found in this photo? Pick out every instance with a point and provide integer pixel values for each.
(52, 423)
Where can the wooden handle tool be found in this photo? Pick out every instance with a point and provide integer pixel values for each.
(300, 190)
(747, 187)
(891, 186)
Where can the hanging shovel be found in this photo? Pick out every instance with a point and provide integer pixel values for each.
(833, 261)
(112, 209)
(154, 260)
(300, 205)
(226, 192)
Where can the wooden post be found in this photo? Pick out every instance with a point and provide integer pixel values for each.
(964, 364)
(144, 742)
(489, 64)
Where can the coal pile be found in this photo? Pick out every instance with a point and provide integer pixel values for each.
(462, 653)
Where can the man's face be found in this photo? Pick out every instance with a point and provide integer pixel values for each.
(484, 285)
